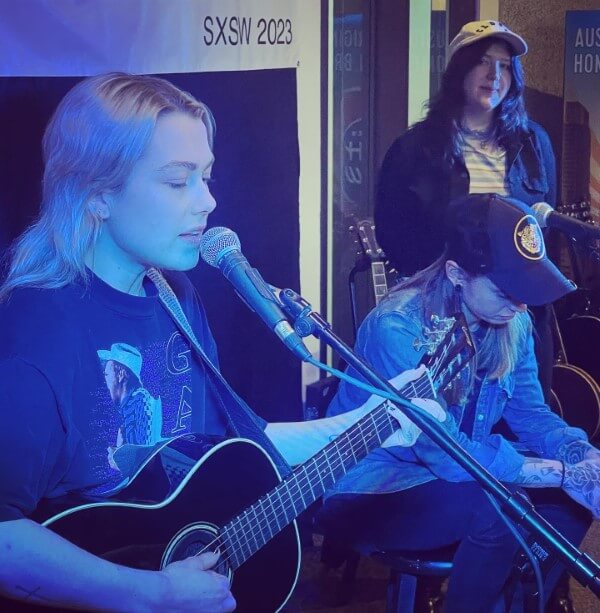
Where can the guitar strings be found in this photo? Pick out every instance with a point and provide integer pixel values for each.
(301, 486)
(301, 489)
(270, 514)
(420, 386)
(366, 429)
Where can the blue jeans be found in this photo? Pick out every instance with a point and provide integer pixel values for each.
(440, 513)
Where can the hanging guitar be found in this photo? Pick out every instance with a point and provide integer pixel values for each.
(193, 495)
(370, 252)
(580, 329)
(576, 394)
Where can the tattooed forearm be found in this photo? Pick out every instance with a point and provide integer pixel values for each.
(537, 472)
(576, 451)
(582, 482)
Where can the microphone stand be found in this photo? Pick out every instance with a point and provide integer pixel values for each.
(515, 505)
(360, 265)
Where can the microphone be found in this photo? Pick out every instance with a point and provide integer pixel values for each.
(547, 217)
(221, 248)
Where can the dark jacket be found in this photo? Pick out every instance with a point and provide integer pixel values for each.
(415, 185)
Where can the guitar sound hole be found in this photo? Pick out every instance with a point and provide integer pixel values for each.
(192, 541)
(191, 549)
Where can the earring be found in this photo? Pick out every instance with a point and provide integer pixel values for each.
(457, 297)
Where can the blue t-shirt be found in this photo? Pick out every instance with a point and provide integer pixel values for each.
(91, 379)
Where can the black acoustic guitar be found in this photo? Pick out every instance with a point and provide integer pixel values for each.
(193, 495)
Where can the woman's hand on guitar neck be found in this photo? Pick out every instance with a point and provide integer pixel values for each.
(299, 441)
(408, 433)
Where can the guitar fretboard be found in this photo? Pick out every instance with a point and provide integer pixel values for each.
(379, 280)
(258, 524)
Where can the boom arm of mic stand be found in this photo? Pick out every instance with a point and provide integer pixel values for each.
(581, 566)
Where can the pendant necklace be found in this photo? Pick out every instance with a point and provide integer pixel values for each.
(483, 136)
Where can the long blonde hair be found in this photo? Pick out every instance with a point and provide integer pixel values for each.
(99, 130)
(498, 351)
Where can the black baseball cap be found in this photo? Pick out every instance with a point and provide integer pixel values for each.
(499, 237)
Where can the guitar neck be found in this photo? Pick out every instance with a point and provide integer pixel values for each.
(258, 524)
(379, 280)
(364, 232)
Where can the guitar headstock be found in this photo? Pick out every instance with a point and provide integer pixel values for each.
(369, 252)
(364, 235)
(451, 354)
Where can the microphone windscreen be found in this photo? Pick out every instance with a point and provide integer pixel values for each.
(541, 210)
(216, 242)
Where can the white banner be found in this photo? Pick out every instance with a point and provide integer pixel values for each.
(83, 37)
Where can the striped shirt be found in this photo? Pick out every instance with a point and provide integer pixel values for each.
(486, 163)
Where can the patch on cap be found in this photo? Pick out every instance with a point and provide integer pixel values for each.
(528, 238)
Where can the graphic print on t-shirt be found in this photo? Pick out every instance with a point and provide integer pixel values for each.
(179, 362)
(147, 398)
(141, 414)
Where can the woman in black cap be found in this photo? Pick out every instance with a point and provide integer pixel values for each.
(494, 265)
(476, 138)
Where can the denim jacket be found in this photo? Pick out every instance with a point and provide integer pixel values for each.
(390, 339)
